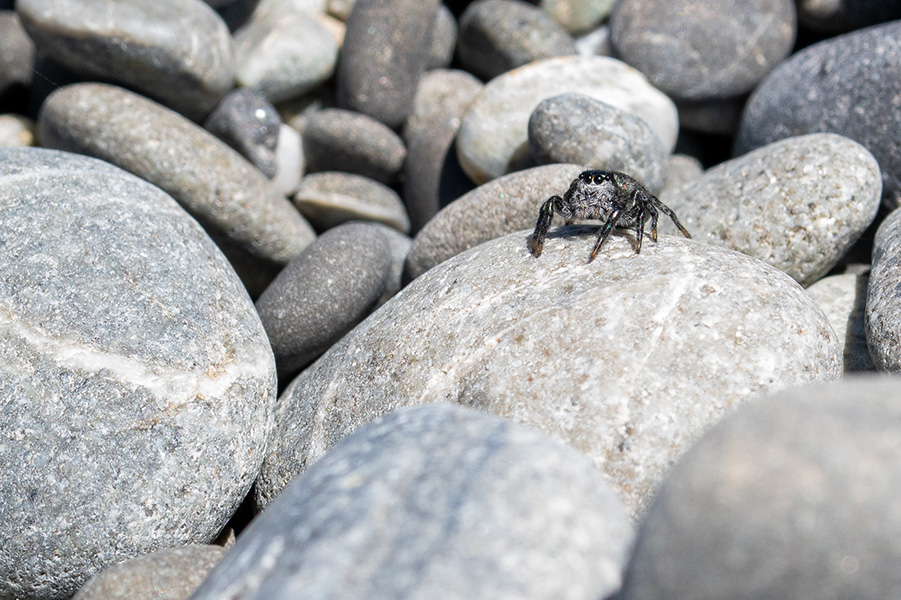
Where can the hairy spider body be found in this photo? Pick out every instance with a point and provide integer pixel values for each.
(610, 196)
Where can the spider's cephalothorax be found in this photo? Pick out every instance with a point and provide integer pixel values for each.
(610, 196)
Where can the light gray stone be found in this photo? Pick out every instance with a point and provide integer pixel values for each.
(883, 309)
(578, 16)
(290, 161)
(330, 198)
(177, 51)
(843, 298)
(16, 55)
(680, 169)
(246, 121)
(493, 138)
(137, 382)
(595, 43)
(442, 95)
(257, 227)
(444, 39)
(798, 204)
(16, 130)
(792, 496)
(627, 358)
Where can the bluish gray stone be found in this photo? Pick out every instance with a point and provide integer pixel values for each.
(883, 308)
(175, 51)
(792, 496)
(330, 198)
(247, 122)
(843, 298)
(499, 35)
(137, 382)
(847, 85)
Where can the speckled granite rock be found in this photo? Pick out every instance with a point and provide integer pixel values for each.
(493, 138)
(167, 574)
(627, 358)
(574, 128)
(507, 204)
(247, 122)
(790, 497)
(460, 505)
(330, 198)
(847, 85)
(798, 204)
(499, 35)
(235, 203)
(883, 315)
(175, 51)
(843, 299)
(323, 293)
(385, 52)
(137, 381)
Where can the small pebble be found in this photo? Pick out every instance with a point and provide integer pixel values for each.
(246, 121)
(290, 161)
(843, 298)
(883, 306)
(578, 16)
(330, 198)
(444, 39)
(16, 130)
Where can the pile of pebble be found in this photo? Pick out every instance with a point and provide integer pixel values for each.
(270, 259)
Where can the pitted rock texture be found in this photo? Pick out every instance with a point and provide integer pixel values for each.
(136, 380)
(627, 358)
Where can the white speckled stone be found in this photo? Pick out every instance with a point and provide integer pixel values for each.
(628, 358)
(883, 310)
(843, 299)
(493, 138)
(136, 381)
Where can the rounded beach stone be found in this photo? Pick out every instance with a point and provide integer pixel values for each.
(385, 52)
(167, 574)
(247, 122)
(137, 382)
(578, 16)
(627, 358)
(442, 95)
(843, 298)
(16, 130)
(323, 293)
(839, 16)
(502, 206)
(792, 496)
(883, 308)
(798, 204)
(680, 169)
(847, 85)
(256, 226)
(16, 57)
(330, 198)
(575, 128)
(460, 505)
(290, 161)
(499, 35)
(343, 140)
(444, 39)
(285, 56)
(493, 138)
(177, 52)
(398, 248)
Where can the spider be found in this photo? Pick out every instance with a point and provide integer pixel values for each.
(611, 196)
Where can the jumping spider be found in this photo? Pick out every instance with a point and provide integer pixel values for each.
(611, 196)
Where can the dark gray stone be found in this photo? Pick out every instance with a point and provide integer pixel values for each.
(16, 58)
(246, 121)
(177, 52)
(843, 298)
(840, 16)
(792, 496)
(575, 128)
(458, 504)
(883, 310)
(398, 248)
(497, 36)
(137, 382)
(343, 140)
(330, 198)
(712, 49)
(167, 574)
(324, 293)
(712, 117)
(847, 85)
(385, 52)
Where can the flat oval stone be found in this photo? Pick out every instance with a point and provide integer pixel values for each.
(502, 206)
(574, 128)
(499, 35)
(883, 306)
(798, 204)
(137, 381)
(847, 85)
(803, 487)
(179, 53)
(627, 358)
(330, 198)
(493, 138)
(246, 121)
(843, 298)
(230, 197)
(461, 505)
(702, 50)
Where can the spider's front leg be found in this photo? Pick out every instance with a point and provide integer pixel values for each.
(605, 231)
(545, 215)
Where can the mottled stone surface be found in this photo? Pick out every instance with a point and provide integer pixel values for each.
(246, 121)
(137, 384)
(459, 505)
(330, 198)
(627, 358)
(798, 204)
(323, 293)
(385, 52)
(167, 574)
(578, 16)
(574, 128)
(175, 51)
(499, 35)
(793, 496)
(843, 298)
(883, 309)
(493, 138)
(507, 204)
(847, 85)
(257, 227)
(703, 49)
